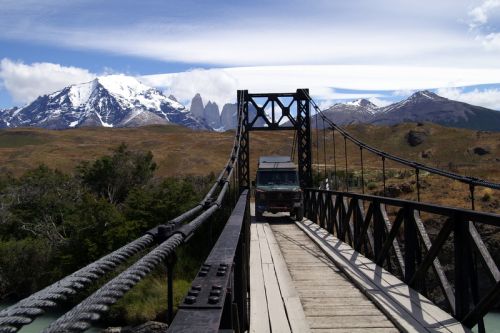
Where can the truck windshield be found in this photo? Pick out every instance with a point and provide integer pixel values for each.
(277, 177)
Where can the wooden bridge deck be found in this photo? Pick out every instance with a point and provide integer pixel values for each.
(304, 280)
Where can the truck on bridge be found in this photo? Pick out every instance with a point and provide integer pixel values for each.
(277, 187)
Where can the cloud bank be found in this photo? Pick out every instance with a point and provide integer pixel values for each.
(213, 85)
(488, 98)
(381, 85)
(26, 82)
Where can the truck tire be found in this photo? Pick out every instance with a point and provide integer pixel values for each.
(299, 214)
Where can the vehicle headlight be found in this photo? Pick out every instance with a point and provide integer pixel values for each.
(262, 195)
(296, 196)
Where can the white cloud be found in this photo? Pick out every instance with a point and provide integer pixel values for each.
(489, 98)
(320, 79)
(479, 15)
(26, 82)
(213, 85)
(480, 27)
(325, 104)
(491, 41)
(403, 92)
(379, 102)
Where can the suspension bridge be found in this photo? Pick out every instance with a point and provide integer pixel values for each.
(349, 265)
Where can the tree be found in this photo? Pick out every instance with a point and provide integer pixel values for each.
(112, 176)
(157, 204)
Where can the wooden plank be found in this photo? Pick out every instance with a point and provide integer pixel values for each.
(405, 306)
(354, 330)
(337, 301)
(352, 311)
(259, 317)
(264, 246)
(294, 310)
(366, 322)
(277, 314)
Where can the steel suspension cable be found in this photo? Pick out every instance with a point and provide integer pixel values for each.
(317, 149)
(324, 148)
(346, 174)
(362, 170)
(335, 159)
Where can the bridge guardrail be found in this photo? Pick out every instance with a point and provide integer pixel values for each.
(217, 298)
(371, 232)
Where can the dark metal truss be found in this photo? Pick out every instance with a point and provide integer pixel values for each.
(300, 123)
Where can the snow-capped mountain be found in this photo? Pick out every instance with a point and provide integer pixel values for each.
(359, 111)
(110, 101)
(425, 105)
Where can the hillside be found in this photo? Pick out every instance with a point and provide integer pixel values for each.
(179, 150)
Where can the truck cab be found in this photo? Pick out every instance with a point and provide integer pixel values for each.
(277, 187)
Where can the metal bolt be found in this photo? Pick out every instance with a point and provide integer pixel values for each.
(215, 293)
(193, 293)
(190, 300)
(213, 300)
(196, 287)
(217, 287)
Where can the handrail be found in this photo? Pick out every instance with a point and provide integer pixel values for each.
(372, 233)
(218, 294)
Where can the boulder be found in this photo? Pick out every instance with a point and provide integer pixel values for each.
(416, 137)
(479, 150)
(429, 153)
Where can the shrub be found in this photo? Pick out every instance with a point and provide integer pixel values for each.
(372, 185)
(487, 195)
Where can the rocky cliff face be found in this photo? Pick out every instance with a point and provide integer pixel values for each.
(212, 114)
(229, 116)
(197, 106)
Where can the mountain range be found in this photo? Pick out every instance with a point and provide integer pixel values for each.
(421, 106)
(122, 101)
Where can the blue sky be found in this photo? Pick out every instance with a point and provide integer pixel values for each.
(341, 50)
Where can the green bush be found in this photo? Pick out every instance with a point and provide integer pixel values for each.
(372, 185)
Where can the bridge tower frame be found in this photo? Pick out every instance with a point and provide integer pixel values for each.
(301, 123)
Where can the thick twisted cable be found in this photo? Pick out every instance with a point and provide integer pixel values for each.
(26, 310)
(79, 318)
(464, 179)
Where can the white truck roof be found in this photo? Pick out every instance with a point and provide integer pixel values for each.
(276, 162)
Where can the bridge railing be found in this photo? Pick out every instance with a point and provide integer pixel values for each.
(217, 299)
(457, 257)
